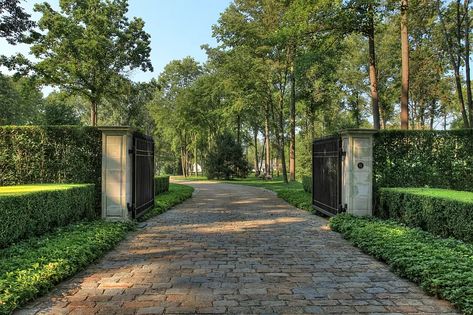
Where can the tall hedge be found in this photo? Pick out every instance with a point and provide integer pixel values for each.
(441, 159)
(161, 184)
(50, 154)
(31, 210)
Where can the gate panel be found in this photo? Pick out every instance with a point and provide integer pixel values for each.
(143, 174)
(326, 175)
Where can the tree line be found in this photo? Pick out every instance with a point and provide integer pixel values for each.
(283, 73)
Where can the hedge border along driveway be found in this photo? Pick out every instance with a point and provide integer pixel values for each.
(442, 267)
(33, 267)
(32, 210)
(443, 212)
(30, 268)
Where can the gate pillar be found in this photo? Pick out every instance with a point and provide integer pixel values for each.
(117, 172)
(357, 171)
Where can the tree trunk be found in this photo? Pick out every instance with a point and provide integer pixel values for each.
(282, 154)
(453, 61)
(373, 73)
(238, 129)
(267, 160)
(195, 155)
(467, 63)
(183, 162)
(93, 113)
(405, 66)
(292, 143)
(255, 139)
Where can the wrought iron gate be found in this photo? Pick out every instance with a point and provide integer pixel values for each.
(143, 174)
(326, 175)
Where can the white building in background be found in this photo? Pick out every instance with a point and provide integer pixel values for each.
(193, 167)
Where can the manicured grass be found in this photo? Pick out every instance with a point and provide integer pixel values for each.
(177, 193)
(442, 267)
(25, 189)
(31, 268)
(293, 192)
(448, 194)
(188, 178)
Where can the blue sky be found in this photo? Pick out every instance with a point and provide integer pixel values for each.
(178, 28)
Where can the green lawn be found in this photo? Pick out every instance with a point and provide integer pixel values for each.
(25, 189)
(454, 195)
(30, 268)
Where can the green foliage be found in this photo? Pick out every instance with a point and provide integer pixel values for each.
(225, 159)
(443, 212)
(14, 21)
(31, 268)
(50, 154)
(21, 101)
(86, 47)
(177, 194)
(443, 267)
(161, 184)
(307, 183)
(441, 159)
(27, 211)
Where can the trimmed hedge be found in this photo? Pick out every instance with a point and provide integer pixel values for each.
(50, 154)
(307, 183)
(31, 268)
(413, 158)
(443, 267)
(161, 184)
(443, 212)
(31, 210)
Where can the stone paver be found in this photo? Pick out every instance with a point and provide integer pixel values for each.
(236, 249)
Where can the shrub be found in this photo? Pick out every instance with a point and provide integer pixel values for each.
(443, 267)
(30, 210)
(31, 268)
(439, 211)
(50, 154)
(161, 184)
(225, 159)
(413, 158)
(177, 194)
(298, 198)
(307, 183)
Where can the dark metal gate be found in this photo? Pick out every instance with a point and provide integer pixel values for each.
(326, 175)
(143, 174)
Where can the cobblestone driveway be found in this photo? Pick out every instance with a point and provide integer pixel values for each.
(236, 249)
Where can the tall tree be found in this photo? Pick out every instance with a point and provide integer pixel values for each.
(405, 65)
(14, 21)
(88, 46)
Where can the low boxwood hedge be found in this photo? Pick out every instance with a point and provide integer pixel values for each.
(443, 267)
(29, 210)
(446, 213)
(161, 184)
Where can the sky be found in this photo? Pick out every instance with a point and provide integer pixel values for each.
(177, 27)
